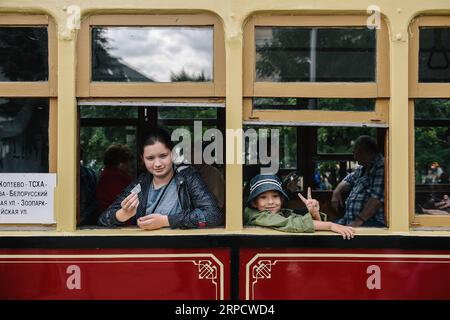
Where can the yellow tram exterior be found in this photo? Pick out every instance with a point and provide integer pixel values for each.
(395, 89)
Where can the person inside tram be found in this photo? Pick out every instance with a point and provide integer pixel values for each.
(88, 202)
(364, 205)
(264, 209)
(435, 205)
(165, 195)
(115, 175)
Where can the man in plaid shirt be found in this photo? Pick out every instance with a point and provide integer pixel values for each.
(365, 204)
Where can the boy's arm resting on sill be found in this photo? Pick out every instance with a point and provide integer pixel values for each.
(291, 223)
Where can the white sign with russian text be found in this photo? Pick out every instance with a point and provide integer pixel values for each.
(27, 197)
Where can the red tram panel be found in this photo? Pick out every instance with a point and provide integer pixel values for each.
(350, 275)
(115, 274)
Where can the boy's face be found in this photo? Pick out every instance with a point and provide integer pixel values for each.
(268, 201)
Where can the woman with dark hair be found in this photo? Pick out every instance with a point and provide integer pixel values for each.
(164, 196)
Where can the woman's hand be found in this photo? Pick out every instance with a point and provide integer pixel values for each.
(345, 231)
(129, 207)
(312, 205)
(153, 221)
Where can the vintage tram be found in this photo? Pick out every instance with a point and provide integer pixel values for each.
(81, 75)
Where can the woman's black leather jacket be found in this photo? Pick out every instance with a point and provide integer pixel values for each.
(199, 206)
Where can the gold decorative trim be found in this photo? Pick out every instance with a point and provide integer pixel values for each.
(208, 265)
(261, 269)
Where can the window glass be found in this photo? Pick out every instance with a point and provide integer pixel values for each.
(23, 54)
(434, 54)
(432, 156)
(152, 54)
(432, 109)
(340, 140)
(328, 174)
(324, 104)
(196, 113)
(95, 140)
(286, 146)
(300, 54)
(123, 112)
(24, 135)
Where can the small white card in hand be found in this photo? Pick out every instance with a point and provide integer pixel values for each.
(136, 189)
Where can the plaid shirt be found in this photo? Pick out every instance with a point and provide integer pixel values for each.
(365, 182)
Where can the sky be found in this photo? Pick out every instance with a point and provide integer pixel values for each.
(156, 51)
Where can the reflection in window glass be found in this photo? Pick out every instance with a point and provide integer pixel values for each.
(196, 113)
(211, 152)
(152, 54)
(328, 174)
(120, 112)
(296, 54)
(324, 104)
(287, 147)
(434, 54)
(23, 54)
(24, 135)
(340, 140)
(432, 156)
(432, 109)
(95, 140)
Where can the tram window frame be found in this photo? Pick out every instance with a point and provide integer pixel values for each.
(37, 89)
(150, 92)
(379, 90)
(147, 116)
(422, 90)
(88, 88)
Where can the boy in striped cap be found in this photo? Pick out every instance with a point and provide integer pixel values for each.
(264, 208)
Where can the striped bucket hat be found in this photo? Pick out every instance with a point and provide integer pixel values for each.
(262, 183)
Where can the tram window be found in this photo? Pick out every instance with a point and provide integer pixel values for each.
(434, 54)
(187, 113)
(340, 140)
(103, 124)
(120, 112)
(152, 54)
(301, 54)
(432, 156)
(23, 54)
(324, 104)
(321, 157)
(287, 143)
(24, 135)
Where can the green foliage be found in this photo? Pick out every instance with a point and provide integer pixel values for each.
(121, 112)
(95, 140)
(194, 113)
(287, 144)
(325, 104)
(340, 139)
(431, 142)
(430, 146)
(284, 54)
(23, 54)
(432, 109)
(183, 75)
